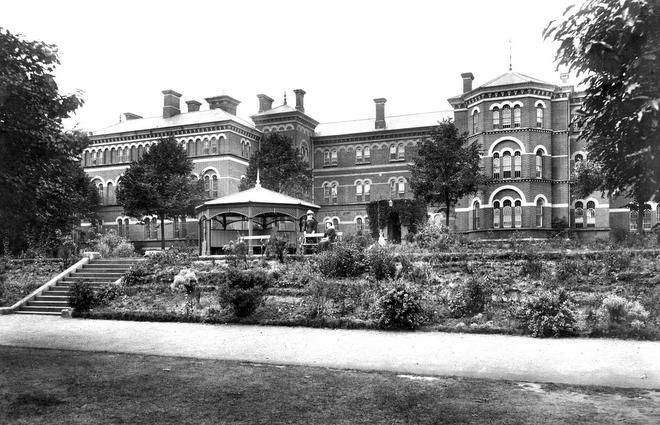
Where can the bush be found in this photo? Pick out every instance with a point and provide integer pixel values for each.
(618, 261)
(170, 257)
(186, 279)
(547, 314)
(567, 270)
(399, 308)
(243, 290)
(468, 299)
(361, 239)
(344, 260)
(620, 316)
(140, 273)
(328, 298)
(105, 295)
(532, 267)
(81, 297)
(276, 247)
(437, 238)
(236, 253)
(124, 249)
(381, 263)
(112, 245)
(296, 274)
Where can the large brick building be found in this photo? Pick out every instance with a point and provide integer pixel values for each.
(529, 149)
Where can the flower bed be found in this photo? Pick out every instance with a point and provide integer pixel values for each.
(18, 278)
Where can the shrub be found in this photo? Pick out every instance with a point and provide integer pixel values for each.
(399, 308)
(296, 274)
(618, 315)
(243, 290)
(345, 260)
(468, 299)
(547, 314)
(124, 249)
(381, 263)
(187, 280)
(567, 270)
(361, 239)
(112, 245)
(618, 261)
(276, 247)
(108, 293)
(170, 257)
(434, 237)
(81, 297)
(236, 253)
(326, 298)
(532, 267)
(140, 273)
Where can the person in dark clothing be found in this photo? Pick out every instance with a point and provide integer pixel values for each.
(329, 236)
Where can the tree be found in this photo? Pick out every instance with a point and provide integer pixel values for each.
(160, 183)
(615, 45)
(446, 168)
(42, 185)
(280, 166)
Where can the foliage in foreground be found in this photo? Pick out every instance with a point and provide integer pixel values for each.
(344, 260)
(243, 290)
(399, 308)
(112, 245)
(546, 314)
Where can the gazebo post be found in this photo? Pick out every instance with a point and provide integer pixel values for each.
(208, 239)
(250, 223)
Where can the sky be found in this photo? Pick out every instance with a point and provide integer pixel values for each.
(121, 54)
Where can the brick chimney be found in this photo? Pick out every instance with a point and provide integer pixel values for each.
(131, 116)
(300, 95)
(224, 102)
(467, 81)
(380, 112)
(171, 103)
(265, 102)
(193, 105)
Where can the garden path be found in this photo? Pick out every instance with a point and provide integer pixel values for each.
(634, 364)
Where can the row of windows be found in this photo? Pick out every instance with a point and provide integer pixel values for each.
(150, 227)
(363, 190)
(581, 213)
(502, 167)
(507, 117)
(107, 194)
(506, 214)
(634, 216)
(134, 153)
(363, 155)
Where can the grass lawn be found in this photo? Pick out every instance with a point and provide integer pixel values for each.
(67, 387)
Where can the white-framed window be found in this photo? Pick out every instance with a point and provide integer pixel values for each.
(496, 165)
(506, 116)
(366, 189)
(539, 164)
(476, 216)
(539, 213)
(326, 157)
(517, 164)
(333, 157)
(392, 188)
(211, 185)
(507, 215)
(591, 214)
(516, 116)
(647, 220)
(506, 165)
(401, 191)
(497, 215)
(517, 214)
(633, 220)
(539, 116)
(366, 153)
(496, 118)
(358, 155)
(358, 191)
(393, 152)
(333, 193)
(401, 152)
(579, 214)
(475, 121)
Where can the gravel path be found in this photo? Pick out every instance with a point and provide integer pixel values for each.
(634, 364)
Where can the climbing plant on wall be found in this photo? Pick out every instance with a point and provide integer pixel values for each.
(412, 213)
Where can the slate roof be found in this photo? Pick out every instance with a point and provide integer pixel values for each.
(276, 110)
(185, 118)
(395, 122)
(511, 77)
(260, 195)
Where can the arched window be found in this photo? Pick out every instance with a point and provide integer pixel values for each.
(647, 220)
(496, 165)
(367, 154)
(392, 152)
(516, 116)
(207, 147)
(496, 118)
(110, 190)
(134, 154)
(539, 116)
(333, 157)
(147, 228)
(539, 164)
(198, 147)
(402, 188)
(517, 214)
(633, 220)
(591, 214)
(392, 188)
(333, 193)
(358, 155)
(579, 214)
(506, 116)
(476, 219)
(86, 159)
(401, 152)
(358, 191)
(326, 157)
(94, 158)
(326, 193)
(214, 145)
(248, 149)
(359, 224)
(113, 156)
(243, 149)
(191, 148)
(507, 214)
(366, 189)
(101, 192)
(140, 152)
(506, 165)
(517, 164)
(304, 153)
(211, 185)
(127, 229)
(539, 213)
(496, 215)
(475, 121)
(120, 227)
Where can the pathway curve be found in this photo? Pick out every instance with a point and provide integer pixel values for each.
(572, 361)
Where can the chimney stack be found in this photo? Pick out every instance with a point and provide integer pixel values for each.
(300, 95)
(131, 116)
(380, 112)
(265, 102)
(224, 102)
(193, 105)
(467, 81)
(171, 103)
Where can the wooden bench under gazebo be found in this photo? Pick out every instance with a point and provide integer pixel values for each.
(251, 216)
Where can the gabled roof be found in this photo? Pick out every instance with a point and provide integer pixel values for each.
(277, 110)
(511, 77)
(396, 122)
(259, 195)
(186, 118)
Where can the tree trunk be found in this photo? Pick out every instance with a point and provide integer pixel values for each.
(448, 204)
(162, 231)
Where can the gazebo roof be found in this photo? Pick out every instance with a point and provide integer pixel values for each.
(259, 195)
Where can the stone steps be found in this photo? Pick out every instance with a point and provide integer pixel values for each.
(97, 274)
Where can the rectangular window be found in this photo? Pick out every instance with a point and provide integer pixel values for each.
(358, 156)
(333, 194)
(333, 158)
(496, 118)
(647, 220)
(367, 192)
(392, 152)
(326, 158)
(326, 194)
(506, 117)
(516, 116)
(402, 189)
(366, 155)
(358, 192)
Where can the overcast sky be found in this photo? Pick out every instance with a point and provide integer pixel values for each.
(121, 54)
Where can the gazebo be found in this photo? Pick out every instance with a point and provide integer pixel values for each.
(249, 215)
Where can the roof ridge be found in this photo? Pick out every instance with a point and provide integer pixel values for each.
(388, 116)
